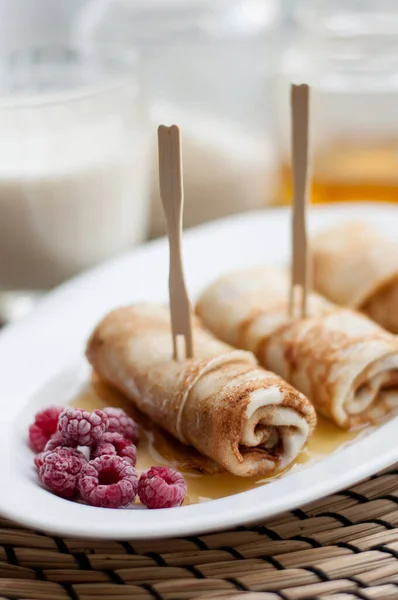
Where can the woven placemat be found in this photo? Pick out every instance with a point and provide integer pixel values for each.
(339, 548)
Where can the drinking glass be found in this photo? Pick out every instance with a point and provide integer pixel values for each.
(74, 162)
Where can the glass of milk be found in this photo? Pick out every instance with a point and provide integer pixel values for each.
(74, 148)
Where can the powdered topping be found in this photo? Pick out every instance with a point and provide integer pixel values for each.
(120, 422)
(58, 440)
(59, 470)
(161, 487)
(81, 426)
(115, 444)
(109, 482)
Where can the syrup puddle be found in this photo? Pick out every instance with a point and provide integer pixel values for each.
(156, 447)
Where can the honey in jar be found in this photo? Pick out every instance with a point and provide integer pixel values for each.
(346, 52)
(350, 172)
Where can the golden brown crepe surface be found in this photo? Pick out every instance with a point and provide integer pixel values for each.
(342, 361)
(355, 265)
(203, 402)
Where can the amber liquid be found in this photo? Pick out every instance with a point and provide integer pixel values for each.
(157, 448)
(350, 172)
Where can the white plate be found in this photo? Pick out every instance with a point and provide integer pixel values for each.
(43, 362)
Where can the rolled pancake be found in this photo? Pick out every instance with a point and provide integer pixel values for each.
(355, 265)
(342, 361)
(221, 402)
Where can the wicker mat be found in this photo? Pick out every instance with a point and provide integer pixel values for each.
(340, 548)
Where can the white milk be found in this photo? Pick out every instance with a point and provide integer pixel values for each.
(73, 184)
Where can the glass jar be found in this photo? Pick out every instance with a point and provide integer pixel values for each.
(348, 52)
(210, 68)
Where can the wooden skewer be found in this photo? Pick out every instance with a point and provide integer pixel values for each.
(300, 133)
(172, 195)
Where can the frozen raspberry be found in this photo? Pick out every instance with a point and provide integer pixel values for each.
(38, 459)
(108, 481)
(161, 487)
(120, 422)
(59, 470)
(58, 440)
(102, 449)
(81, 426)
(45, 424)
(115, 444)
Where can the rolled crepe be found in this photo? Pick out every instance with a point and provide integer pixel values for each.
(342, 361)
(221, 402)
(356, 266)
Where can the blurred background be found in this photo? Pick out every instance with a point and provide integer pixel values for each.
(84, 84)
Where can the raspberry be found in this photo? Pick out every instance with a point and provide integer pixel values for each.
(81, 426)
(115, 444)
(161, 487)
(120, 422)
(108, 481)
(45, 424)
(59, 470)
(38, 459)
(103, 449)
(58, 440)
